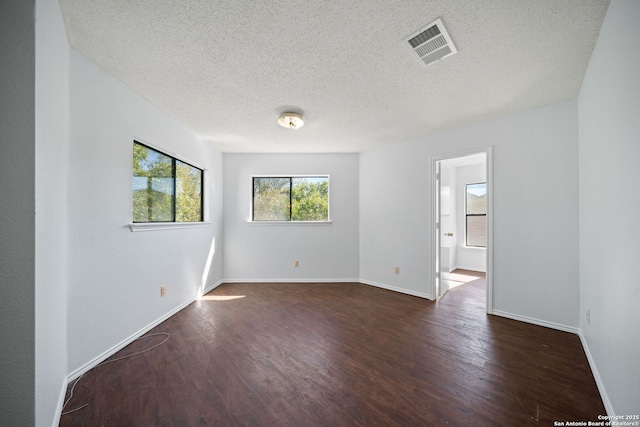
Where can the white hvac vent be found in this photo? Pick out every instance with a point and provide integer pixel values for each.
(431, 43)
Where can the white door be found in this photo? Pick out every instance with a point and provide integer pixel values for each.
(436, 232)
(446, 220)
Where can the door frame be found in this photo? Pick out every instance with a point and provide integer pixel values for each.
(434, 249)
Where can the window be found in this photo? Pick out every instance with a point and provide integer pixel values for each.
(165, 189)
(476, 214)
(299, 198)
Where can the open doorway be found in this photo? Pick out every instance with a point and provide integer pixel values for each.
(461, 221)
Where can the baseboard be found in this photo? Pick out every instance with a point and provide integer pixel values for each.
(97, 360)
(596, 375)
(344, 280)
(462, 267)
(594, 370)
(396, 289)
(58, 414)
(290, 280)
(105, 355)
(212, 287)
(538, 322)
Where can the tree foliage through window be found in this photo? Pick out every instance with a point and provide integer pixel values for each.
(165, 189)
(291, 198)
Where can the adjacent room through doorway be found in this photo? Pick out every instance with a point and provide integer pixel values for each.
(461, 221)
(459, 277)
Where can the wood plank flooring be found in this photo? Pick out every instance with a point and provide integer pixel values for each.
(341, 354)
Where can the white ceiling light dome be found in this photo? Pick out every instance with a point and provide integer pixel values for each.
(291, 120)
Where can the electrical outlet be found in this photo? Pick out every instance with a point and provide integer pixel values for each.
(163, 290)
(296, 263)
(589, 317)
(396, 270)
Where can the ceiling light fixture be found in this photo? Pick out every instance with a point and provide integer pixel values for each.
(290, 120)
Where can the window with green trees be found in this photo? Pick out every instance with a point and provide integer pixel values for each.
(292, 198)
(165, 189)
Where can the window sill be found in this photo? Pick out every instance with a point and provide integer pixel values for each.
(290, 222)
(156, 226)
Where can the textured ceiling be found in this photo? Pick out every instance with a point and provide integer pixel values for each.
(227, 68)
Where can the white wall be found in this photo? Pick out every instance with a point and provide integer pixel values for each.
(609, 205)
(468, 258)
(17, 207)
(83, 242)
(535, 173)
(266, 252)
(115, 274)
(394, 218)
(52, 151)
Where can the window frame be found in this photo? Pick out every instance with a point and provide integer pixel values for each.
(149, 225)
(290, 220)
(467, 215)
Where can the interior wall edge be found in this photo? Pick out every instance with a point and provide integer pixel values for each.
(61, 398)
(596, 375)
(463, 267)
(396, 289)
(538, 322)
(211, 287)
(289, 280)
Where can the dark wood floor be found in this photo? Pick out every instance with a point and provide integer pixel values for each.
(341, 354)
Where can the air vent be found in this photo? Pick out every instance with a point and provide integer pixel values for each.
(431, 43)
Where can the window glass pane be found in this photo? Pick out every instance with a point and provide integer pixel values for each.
(477, 199)
(310, 199)
(271, 199)
(477, 230)
(188, 193)
(153, 185)
(476, 214)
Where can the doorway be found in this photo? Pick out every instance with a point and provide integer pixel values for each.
(461, 219)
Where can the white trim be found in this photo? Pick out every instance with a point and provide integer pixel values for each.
(63, 394)
(592, 364)
(490, 246)
(396, 289)
(304, 175)
(290, 222)
(349, 280)
(462, 267)
(108, 353)
(157, 226)
(596, 375)
(533, 321)
(212, 287)
(97, 360)
(289, 280)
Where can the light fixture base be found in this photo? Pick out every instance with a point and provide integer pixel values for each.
(290, 120)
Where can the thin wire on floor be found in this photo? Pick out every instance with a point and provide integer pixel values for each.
(166, 334)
